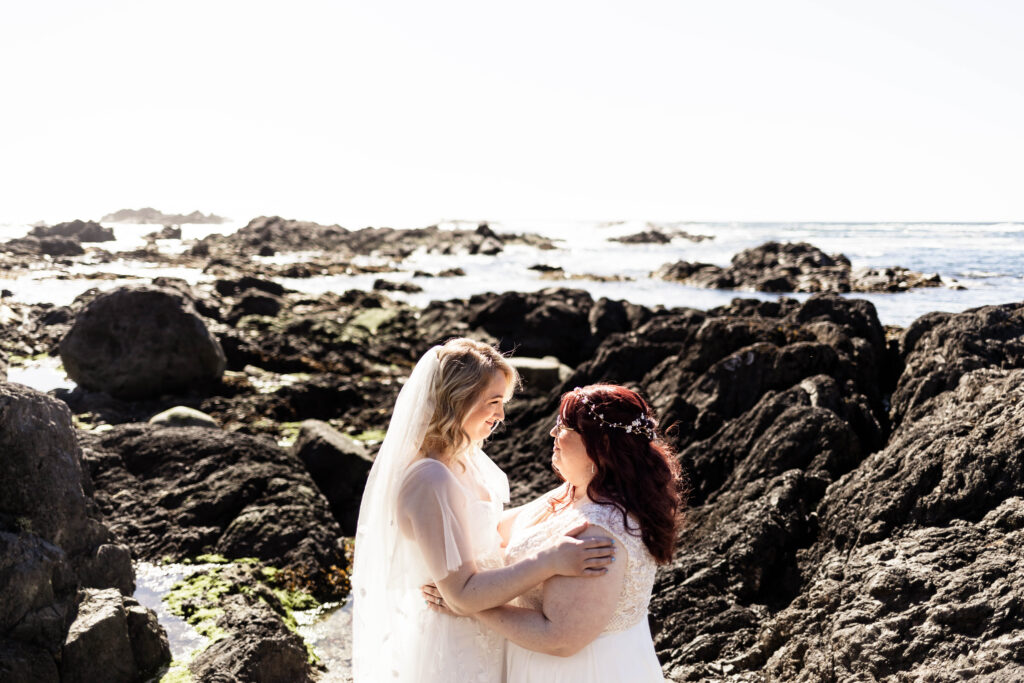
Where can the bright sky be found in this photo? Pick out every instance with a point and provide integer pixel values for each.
(401, 112)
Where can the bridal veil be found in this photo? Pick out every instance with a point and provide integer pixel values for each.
(378, 567)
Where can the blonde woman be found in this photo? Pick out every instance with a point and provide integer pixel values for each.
(432, 512)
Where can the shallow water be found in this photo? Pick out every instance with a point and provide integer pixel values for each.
(152, 583)
(328, 629)
(42, 374)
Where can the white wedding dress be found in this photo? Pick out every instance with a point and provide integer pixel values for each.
(418, 522)
(448, 523)
(624, 651)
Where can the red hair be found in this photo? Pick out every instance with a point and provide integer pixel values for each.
(637, 474)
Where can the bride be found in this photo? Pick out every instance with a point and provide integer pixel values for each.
(432, 512)
(622, 479)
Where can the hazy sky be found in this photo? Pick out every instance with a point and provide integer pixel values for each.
(383, 112)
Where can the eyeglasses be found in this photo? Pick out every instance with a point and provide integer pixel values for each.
(560, 427)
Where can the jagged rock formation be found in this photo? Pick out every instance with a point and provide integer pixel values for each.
(793, 267)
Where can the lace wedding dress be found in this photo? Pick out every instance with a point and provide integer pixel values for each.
(624, 651)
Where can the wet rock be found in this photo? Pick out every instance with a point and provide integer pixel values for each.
(656, 235)
(803, 427)
(273, 233)
(258, 648)
(141, 341)
(81, 231)
(793, 267)
(183, 416)
(452, 272)
(37, 590)
(736, 563)
(696, 274)
(609, 316)
(338, 465)
(179, 492)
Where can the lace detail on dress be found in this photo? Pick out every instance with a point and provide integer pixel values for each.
(640, 565)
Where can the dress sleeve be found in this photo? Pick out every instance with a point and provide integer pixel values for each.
(433, 509)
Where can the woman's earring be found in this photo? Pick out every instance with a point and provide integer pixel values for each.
(593, 468)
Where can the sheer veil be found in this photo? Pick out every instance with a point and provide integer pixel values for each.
(377, 567)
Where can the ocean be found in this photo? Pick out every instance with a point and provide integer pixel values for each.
(984, 260)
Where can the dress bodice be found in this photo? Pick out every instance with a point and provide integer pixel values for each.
(528, 536)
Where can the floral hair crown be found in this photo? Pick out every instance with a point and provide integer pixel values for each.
(642, 425)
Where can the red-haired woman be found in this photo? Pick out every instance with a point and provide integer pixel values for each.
(622, 479)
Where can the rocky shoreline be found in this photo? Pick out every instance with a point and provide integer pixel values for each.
(856, 513)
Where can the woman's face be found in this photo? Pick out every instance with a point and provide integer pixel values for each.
(570, 456)
(487, 410)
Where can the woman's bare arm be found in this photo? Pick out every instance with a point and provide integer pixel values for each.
(433, 512)
(574, 612)
(469, 590)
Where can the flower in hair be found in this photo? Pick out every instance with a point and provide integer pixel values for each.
(643, 425)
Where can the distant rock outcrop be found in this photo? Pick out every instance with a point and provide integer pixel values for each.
(150, 215)
(657, 236)
(83, 231)
(272, 234)
(794, 267)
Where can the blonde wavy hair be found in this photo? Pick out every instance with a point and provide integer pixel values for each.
(467, 366)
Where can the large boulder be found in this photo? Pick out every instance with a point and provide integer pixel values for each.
(339, 465)
(141, 341)
(52, 542)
